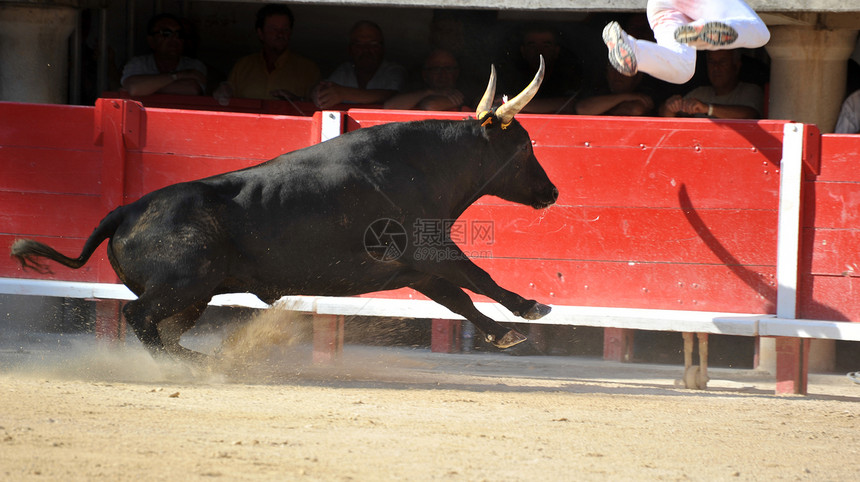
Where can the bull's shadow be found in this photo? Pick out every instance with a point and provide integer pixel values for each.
(748, 276)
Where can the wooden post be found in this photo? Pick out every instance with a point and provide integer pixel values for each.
(618, 344)
(110, 325)
(792, 365)
(445, 336)
(118, 125)
(328, 338)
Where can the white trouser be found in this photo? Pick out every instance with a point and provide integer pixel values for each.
(675, 62)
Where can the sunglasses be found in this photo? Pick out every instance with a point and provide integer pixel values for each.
(167, 33)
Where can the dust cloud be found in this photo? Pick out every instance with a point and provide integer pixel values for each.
(271, 346)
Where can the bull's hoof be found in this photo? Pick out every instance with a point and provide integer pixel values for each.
(510, 339)
(190, 357)
(538, 311)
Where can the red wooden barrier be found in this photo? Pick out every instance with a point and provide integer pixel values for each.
(668, 214)
(660, 213)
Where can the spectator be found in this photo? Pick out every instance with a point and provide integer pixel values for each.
(680, 28)
(849, 116)
(726, 97)
(439, 73)
(166, 70)
(561, 80)
(275, 72)
(620, 96)
(470, 37)
(367, 78)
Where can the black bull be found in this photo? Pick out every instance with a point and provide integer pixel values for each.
(300, 224)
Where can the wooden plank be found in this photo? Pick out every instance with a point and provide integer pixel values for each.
(762, 136)
(147, 172)
(834, 298)
(654, 177)
(832, 205)
(358, 118)
(638, 285)
(615, 233)
(223, 134)
(207, 103)
(834, 252)
(41, 169)
(839, 154)
(49, 214)
(704, 134)
(623, 285)
(46, 125)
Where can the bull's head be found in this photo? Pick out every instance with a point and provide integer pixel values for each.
(519, 177)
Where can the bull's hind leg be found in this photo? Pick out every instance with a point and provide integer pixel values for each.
(456, 300)
(461, 271)
(143, 326)
(159, 320)
(171, 329)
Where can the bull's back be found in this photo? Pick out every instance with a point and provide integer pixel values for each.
(298, 222)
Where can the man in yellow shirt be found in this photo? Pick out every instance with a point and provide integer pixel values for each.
(275, 72)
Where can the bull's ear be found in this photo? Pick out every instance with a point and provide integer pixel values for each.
(486, 104)
(508, 110)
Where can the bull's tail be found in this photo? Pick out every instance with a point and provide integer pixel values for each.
(27, 250)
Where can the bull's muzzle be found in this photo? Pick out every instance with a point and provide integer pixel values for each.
(546, 199)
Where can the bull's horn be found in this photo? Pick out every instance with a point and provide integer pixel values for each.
(487, 100)
(508, 110)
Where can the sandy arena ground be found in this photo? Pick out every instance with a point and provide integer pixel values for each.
(81, 411)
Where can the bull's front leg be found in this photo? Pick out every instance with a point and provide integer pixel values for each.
(455, 299)
(461, 271)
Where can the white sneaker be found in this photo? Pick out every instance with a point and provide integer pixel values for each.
(621, 54)
(709, 34)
